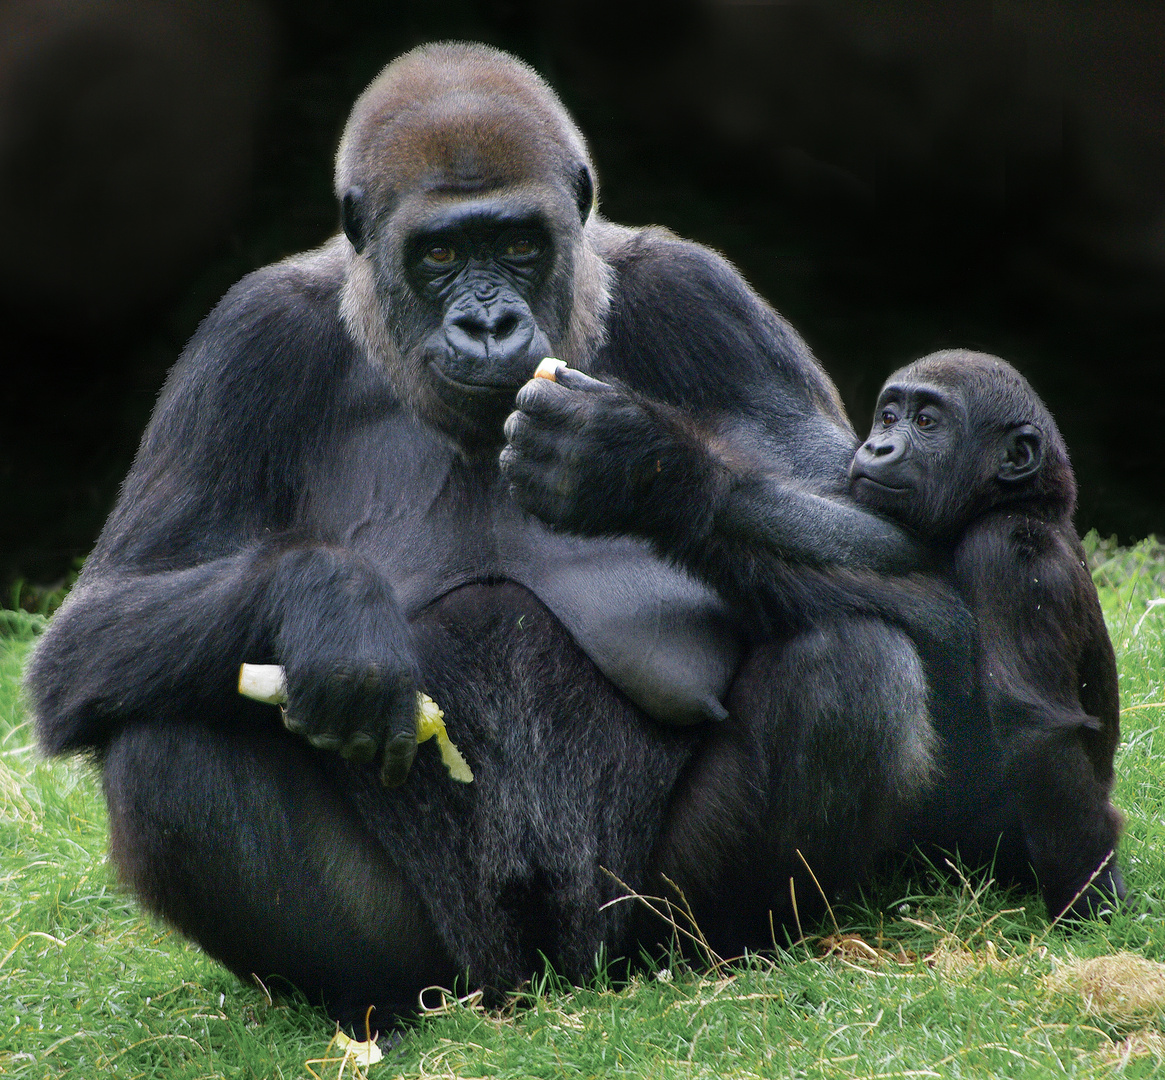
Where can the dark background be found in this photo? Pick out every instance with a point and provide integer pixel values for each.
(896, 176)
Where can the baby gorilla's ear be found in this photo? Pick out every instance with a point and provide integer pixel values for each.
(1023, 454)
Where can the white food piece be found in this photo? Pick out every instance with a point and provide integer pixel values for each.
(263, 682)
(549, 368)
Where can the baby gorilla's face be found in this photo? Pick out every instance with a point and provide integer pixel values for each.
(955, 435)
(907, 467)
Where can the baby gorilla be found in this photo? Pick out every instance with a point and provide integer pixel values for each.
(964, 454)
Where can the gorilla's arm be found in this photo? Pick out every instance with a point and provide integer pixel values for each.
(1051, 681)
(734, 465)
(599, 459)
(201, 565)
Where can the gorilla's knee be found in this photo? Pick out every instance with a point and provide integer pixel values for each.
(850, 744)
(239, 841)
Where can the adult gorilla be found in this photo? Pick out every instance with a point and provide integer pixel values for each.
(319, 487)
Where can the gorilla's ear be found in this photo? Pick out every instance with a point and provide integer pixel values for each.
(352, 218)
(584, 192)
(1023, 454)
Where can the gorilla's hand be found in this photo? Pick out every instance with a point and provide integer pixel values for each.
(584, 454)
(348, 656)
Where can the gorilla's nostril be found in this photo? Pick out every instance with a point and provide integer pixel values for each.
(505, 325)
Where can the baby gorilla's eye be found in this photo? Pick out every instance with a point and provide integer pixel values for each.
(924, 421)
(888, 417)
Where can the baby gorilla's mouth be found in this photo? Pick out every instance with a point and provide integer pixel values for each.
(900, 489)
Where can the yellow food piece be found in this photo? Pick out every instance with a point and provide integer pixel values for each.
(267, 683)
(362, 1053)
(430, 723)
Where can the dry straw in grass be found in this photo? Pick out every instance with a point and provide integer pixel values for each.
(1140, 1044)
(1125, 990)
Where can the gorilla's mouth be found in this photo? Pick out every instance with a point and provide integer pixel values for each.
(483, 388)
(471, 413)
(896, 489)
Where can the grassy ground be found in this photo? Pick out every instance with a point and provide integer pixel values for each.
(929, 977)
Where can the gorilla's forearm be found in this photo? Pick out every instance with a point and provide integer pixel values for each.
(800, 526)
(157, 644)
(136, 645)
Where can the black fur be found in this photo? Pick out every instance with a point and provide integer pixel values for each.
(319, 487)
(965, 454)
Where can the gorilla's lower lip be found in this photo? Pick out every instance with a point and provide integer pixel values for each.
(878, 484)
(478, 388)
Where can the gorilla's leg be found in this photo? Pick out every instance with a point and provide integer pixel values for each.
(570, 781)
(238, 839)
(1070, 828)
(280, 859)
(828, 744)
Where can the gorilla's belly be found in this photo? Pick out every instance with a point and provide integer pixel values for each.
(571, 783)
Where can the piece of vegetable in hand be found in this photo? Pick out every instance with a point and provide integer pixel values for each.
(430, 722)
(268, 683)
(549, 368)
(263, 682)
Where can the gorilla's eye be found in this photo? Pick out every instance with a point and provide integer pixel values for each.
(924, 421)
(440, 255)
(521, 248)
(888, 417)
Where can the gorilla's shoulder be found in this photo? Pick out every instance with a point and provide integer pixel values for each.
(271, 357)
(724, 344)
(653, 254)
(291, 308)
(276, 335)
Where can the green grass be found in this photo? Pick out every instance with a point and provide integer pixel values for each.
(927, 977)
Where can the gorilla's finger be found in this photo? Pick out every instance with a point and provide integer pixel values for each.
(573, 379)
(516, 425)
(398, 759)
(508, 459)
(530, 443)
(542, 398)
(400, 714)
(294, 724)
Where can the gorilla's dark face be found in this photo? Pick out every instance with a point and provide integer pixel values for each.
(477, 279)
(465, 200)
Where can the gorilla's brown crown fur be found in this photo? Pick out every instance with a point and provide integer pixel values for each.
(457, 114)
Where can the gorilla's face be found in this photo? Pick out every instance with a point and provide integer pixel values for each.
(481, 290)
(955, 435)
(474, 276)
(466, 190)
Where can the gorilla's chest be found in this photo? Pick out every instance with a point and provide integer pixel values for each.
(433, 522)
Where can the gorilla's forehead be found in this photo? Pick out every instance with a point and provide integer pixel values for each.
(464, 143)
